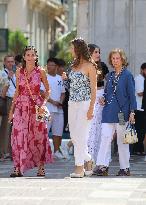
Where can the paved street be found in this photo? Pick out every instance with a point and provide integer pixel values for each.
(58, 189)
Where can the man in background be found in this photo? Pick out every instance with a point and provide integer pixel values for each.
(55, 106)
(5, 129)
(60, 70)
(139, 115)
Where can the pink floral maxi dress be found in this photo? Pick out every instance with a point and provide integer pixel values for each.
(29, 138)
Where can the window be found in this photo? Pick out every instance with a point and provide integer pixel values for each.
(3, 40)
(3, 15)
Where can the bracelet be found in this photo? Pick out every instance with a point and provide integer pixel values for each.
(45, 101)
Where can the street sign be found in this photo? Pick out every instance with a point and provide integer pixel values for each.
(3, 40)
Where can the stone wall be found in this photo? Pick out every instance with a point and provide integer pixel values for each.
(115, 23)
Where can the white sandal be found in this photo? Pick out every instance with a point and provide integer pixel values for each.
(75, 175)
(89, 173)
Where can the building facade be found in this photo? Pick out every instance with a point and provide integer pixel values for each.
(39, 20)
(115, 23)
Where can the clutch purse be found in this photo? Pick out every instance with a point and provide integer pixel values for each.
(45, 116)
(130, 136)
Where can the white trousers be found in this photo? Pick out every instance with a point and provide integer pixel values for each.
(95, 129)
(107, 132)
(79, 128)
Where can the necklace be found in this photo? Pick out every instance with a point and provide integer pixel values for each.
(115, 80)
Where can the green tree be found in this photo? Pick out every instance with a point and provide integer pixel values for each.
(62, 45)
(17, 42)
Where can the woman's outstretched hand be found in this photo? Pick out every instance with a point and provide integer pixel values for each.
(64, 76)
(132, 118)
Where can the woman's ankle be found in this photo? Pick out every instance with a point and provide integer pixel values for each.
(79, 169)
(89, 165)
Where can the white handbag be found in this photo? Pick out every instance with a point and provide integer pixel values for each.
(130, 136)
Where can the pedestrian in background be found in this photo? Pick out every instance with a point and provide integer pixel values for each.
(144, 108)
(29, 138)
(18, 61)
(4, 85)
(60, 66)
(119, 103)
(95, 131)
(5, 131)
(60, 71)
(55, 105)
(81, 104)
(138, 148)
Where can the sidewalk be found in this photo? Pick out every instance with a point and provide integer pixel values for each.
(58, 189)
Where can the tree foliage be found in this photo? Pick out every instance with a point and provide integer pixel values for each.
(62, 45)
(17, 42)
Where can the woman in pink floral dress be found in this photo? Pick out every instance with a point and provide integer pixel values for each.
(29, 138)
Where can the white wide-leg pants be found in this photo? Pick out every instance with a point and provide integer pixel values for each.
(79, 128)
(107, 132)
(95, 129)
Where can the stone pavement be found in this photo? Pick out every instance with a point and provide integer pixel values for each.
(58, 189)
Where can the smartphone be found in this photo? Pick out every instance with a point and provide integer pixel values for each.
(14, 68)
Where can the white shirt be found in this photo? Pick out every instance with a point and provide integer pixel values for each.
(12, 88)
(139, 88)
(57, 88)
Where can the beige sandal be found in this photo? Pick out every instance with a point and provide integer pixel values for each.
(76, 175)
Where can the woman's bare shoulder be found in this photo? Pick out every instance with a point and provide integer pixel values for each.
(91, 66)
(42, 70)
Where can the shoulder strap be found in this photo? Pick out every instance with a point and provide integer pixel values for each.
(27, 84)
(10, 78)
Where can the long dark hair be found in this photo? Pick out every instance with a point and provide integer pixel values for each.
(82, 51)
(92, 47)
(28, 48)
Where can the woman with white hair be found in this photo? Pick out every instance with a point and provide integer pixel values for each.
(119, 103)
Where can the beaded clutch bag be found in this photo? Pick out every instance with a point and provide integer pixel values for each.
(130, 136)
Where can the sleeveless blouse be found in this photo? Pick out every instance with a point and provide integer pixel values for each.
(79, 87)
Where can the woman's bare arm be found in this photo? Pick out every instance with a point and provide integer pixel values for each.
(46, 84)
(93, 85)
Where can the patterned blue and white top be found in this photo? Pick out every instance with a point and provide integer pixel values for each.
(79, 87)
